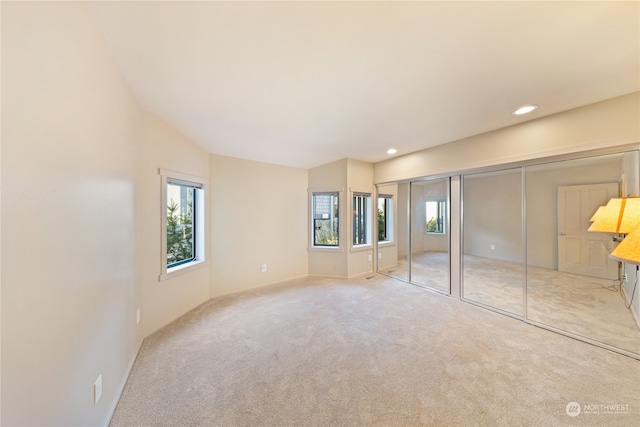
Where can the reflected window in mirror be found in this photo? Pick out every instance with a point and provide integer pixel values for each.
(435, 216)
(385, 218)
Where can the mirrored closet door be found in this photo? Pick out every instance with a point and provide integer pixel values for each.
(525, 248)
(393, 230)
(572, 284)
(492, 248)
(430, 234)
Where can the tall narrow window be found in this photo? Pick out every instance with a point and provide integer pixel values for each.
(361, 229)
(183, 223)
(385, 215)
(181, 236)
(326, 219)
(435, 215)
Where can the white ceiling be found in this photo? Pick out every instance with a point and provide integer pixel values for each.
(306, 83)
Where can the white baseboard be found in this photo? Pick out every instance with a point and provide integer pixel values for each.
(359, 275)
(387, 267)
(122, 386)
(635, 315)
(328, 276)
(253, 287)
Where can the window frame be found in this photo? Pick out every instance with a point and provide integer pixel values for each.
(388, 218)
(194, 226)
(361, 211)
(441, 216)
(312, 232)
(200, 223)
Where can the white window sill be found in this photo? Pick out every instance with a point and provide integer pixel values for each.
(182, 269)
(361, 248)
(386, 243)
(324, 248)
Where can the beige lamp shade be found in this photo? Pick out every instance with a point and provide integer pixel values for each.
(629, 249)
(620, 215)
(598, 212)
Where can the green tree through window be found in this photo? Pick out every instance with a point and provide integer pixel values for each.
(180, 224)
(435, 214)
(384, 216)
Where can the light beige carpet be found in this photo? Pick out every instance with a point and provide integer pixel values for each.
(377, 352)
(586, 306)
(581, 305)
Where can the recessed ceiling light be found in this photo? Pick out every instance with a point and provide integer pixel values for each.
(392, 151)
(524, 110)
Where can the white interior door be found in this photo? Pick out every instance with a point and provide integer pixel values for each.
(581, 251)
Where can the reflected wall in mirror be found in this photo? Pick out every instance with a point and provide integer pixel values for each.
(393, 240)
(572, 284)
(430, 234)
(493, 267)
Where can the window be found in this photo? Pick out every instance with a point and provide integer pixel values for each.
(183, 225)
(181, 238)
(385, 218)
(361, 228)
(326, 208)
(435, 214)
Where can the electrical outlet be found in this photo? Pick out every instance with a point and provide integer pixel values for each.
(369, 257)
(138, 316)
(97, 390)
(493, 247)
(263, 268)
(624, 277)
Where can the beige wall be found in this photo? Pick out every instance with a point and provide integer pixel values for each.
(605, 124)
(69, 291)
(542, 201)
(329, 176)
(455, 228)
(164, 301)
(258, 216)
(492, 215)
(402, 219)
(330, 262)
(81, 220)
(360, 179)
(388, 251)
(0, 246)
(347, 176)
